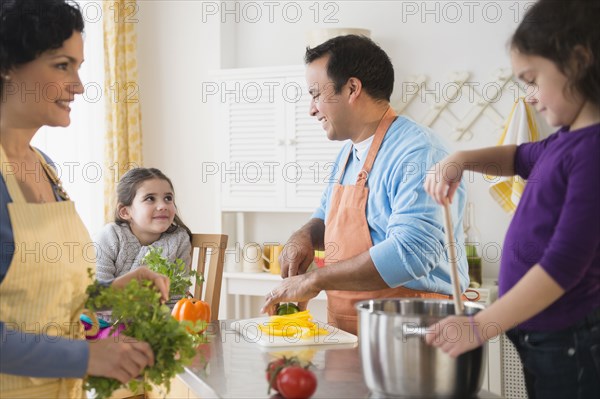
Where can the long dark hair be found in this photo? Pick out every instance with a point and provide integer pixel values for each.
(28, 28)
(128, 186)
(555, 29)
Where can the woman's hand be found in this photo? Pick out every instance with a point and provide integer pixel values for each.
(443, 178)
(122, 358)
(293, 289)
(455, 335)
(143, 273)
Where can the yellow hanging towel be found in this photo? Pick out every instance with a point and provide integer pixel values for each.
(521, 127)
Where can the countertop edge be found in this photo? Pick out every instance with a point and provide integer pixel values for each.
(200, 388)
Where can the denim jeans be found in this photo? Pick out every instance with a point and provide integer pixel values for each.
(561, 364)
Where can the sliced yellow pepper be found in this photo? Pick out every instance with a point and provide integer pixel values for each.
(293, 325)
(300, 315)
(287, 331)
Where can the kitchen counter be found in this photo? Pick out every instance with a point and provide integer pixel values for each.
(230, 367)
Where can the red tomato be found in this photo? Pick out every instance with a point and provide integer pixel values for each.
(296, 382)
(273, 370)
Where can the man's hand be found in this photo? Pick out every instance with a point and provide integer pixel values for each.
(143, 273)
(293, 289)
(122, 358)
(297, 255)
(299, 251)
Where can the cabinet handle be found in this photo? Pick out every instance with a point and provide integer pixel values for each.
(292, 141)
(280, 142)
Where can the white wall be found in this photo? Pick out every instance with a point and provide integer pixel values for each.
(176, 52)
(180, 41)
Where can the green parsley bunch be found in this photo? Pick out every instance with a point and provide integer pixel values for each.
(146, 319)
(177, 271)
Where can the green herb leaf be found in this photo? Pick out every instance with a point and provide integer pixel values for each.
(177, 271)
(138, 307)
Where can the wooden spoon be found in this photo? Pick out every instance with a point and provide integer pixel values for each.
(451, 245)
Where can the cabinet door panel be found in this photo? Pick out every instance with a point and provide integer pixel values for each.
(253, 121)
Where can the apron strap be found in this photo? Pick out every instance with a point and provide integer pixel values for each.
(51, 173)
(12, 184)
(343, 167)
(384, 124)
(8, 173)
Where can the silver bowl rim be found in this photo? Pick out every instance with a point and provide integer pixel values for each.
(361, 310)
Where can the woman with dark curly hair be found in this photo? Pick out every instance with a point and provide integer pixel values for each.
(43, 267)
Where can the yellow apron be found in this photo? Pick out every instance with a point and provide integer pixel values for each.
(44, 289)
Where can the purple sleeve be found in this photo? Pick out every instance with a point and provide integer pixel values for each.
(526, 156)
(576, 238)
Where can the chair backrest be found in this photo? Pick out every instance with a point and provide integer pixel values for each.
(217, 244)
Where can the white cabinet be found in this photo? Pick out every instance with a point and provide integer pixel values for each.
(276, 156)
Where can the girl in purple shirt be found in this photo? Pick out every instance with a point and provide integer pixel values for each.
(550, 269)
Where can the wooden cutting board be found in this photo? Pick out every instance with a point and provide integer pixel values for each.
(248, 328)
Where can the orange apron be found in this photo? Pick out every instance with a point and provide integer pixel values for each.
(44, 289)
(347, 227)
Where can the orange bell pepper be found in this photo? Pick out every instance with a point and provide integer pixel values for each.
(190, 309)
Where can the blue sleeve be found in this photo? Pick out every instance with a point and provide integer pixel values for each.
(413, 240)
(319, 213)
(43, 356)
(7, 244)
(413, 250)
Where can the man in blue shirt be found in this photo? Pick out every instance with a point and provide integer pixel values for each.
(382, 234)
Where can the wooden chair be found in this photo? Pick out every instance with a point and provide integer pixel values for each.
(211, 287)
(213, 277)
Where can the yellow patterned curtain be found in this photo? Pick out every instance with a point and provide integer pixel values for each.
(123, 148)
